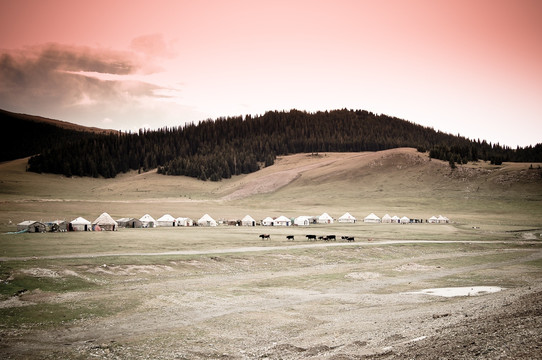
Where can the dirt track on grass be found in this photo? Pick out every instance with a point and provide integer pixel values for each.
(253, 249)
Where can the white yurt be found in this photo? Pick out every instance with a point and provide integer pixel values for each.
(104, 222)
(184, 221)
(206, 220)
(432, 220)
(347, 218)
(325, 219)
(282, 221)
(395, 219)
(386, 219)
(166, 220)
(404, 220)
(442, 219)
(147, 221)
(248, 221)
(268, 221)
(372, 218)
(80, 224)
(303, 220)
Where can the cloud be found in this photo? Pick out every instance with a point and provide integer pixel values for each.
(153, 45)
(54, 75)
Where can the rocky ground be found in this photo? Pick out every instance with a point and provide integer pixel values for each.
(509, 329)
(505, 326)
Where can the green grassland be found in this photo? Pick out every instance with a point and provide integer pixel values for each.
(183, 285)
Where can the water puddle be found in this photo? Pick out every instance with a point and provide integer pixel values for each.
(459, 291)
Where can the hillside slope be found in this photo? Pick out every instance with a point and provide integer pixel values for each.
(397, 181)
(26, 135)
(6, 115)
(390, 180)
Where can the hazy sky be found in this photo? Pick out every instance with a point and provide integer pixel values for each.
(472, 67)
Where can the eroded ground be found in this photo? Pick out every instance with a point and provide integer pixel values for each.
(336, 302)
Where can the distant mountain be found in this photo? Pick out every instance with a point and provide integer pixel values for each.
(213, 150)
(25, 135)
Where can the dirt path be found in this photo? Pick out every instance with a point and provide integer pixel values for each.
(258, 248)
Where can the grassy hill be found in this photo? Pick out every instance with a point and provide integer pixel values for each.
(398, 181)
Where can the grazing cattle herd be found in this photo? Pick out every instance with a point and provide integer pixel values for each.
(312, 237)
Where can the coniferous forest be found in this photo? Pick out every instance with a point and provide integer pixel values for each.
(214, 150)
(22, 136)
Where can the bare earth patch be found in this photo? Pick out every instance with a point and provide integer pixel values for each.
(415, 267)
(39, 272)
(362, 276)
(12, 302)
(129, 270)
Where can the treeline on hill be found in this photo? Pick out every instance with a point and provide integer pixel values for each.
(213, 150)
(23, 136)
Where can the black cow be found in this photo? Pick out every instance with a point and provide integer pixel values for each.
(289, 237)
(265, 236)
(332, 237)
(349, 238)
(310, 237)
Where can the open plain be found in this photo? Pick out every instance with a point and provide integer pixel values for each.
(224, 293)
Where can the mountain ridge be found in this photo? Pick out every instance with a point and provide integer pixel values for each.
(218, 149)
(59, 123)
(28, 135)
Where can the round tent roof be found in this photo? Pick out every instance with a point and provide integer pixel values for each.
(146, 218)
(248, 218)
(207, 220)
(104, 219)
(166, 217)
(80, 221)
(372, 216)
(347, 216)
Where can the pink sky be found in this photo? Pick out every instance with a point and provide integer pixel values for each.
(470, 67)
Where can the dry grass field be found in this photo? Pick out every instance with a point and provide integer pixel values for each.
(223, 293)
